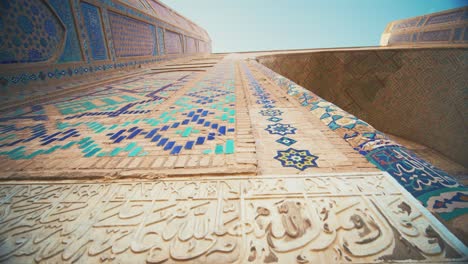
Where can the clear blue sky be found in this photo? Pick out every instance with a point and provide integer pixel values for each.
(248, 25)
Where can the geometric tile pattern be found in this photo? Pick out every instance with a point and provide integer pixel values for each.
(286, 141)
(75, 38)
(173, 43)
(381, 85)
(71, 51)
(112, 102)
(419, 177)
(161, 41)
(280, 129)
(191, 45)
(299, 159)
(92, 20)
(135, 3)
(30, 32)
(163, 116)
(271, 112)
(20, 86)
(162, 12)
(131, 37)
(441, 28)
(274, 119)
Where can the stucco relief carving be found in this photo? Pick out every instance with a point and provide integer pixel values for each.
(307, 219)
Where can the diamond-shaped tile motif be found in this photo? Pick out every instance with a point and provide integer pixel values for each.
(274, 119)
(286, 141)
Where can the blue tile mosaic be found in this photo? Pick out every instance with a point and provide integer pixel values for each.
(38, 32)
(94, 29)
(281, 129)
(271, 112)
(274, 119)
(299, 159)
(132, 37)
(286, 141)
(437, 190)
(71, 51)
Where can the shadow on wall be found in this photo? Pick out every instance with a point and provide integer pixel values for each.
(417, 94)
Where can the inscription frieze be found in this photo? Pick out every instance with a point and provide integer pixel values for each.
(307, 219)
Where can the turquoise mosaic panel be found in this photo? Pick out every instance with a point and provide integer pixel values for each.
(79, 37)
(30, 32)
(71, 51)
(131, 37)
(129, 101)
(93, 24)
(128, 119)
(125, 119)
(108, 32)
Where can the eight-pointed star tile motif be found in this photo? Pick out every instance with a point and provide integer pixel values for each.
(281, 129)
(299, 159)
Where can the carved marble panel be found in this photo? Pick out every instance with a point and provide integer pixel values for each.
(299, 219)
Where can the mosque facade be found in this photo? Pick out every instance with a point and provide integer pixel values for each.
(124, 139)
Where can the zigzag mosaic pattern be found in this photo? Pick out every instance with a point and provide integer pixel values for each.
(132, 97)
(147, 115)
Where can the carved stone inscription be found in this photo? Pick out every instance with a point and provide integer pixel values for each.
(307, 219)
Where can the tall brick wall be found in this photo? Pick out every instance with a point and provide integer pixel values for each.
(417, 94)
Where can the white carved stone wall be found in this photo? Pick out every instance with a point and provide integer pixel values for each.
(364, 217)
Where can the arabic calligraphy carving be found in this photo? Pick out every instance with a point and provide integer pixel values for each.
(359, 218)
